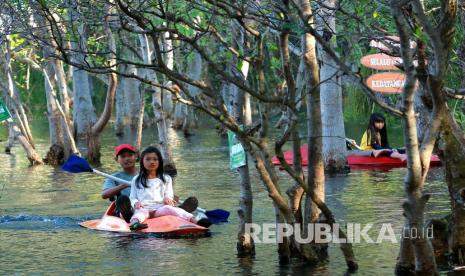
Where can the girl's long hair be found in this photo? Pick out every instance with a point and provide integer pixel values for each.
(142, 177)
(372, 131)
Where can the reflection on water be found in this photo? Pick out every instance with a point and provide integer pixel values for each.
(40, 209)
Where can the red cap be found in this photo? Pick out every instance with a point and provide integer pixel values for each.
(121, 147)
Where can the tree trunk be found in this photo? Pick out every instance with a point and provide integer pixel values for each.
(332, 118)
(163, 137)
(140, 125)
(245, 243)
(128, 106)
(461, 51)
(454, 164)
(21, 116)
(157, 105)
(296, 192)
(18, 125)
(66, 120)
(97, 128)
(314, 127)
(58, 117)
(120, 111)
(53, 114)
(406, 261)
(414, 206)
(179, 111)
(453, 159)
(54, 118)
(11, 139)
(301, 82)
(423, 102)
(194, 71)
(83, 110)
(316, 177)
(133, 97)
(268, 175)
(63, 88)
(31, 154)
(167, 99)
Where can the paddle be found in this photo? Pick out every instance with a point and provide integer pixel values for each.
(76, 164)
(353, 143)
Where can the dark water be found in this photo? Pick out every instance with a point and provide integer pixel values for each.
(40, 209)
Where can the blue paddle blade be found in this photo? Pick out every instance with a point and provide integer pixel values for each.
(76, 164)
(217, 215)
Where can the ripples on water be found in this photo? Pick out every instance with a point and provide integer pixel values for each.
(40, 209)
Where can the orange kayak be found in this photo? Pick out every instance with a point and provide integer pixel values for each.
(169, 226)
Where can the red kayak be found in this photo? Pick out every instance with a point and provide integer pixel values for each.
(356, 161)
(166, 226)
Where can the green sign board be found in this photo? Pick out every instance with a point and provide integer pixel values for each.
(237, 156)
(4, 113)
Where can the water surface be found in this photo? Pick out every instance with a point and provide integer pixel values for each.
(40, 208)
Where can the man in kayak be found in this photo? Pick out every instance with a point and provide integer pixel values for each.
(126, 155)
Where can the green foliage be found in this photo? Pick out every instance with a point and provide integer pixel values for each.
(239, 65)
(99, 94)
(356, 104)
(33, 98)
(360, 21)
(228, 55)
(275, 63)
(3, 131)
(373, 15)
(16, 40)
(273, 48)
(355, 32)
(420, 35)
(185, 30)
(454, 76)
(358, 108)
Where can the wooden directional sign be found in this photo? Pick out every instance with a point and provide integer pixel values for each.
(381, 62)
(388, 42)
(388, 82)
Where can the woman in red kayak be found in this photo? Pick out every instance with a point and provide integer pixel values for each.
(152, 192)
(375, 139)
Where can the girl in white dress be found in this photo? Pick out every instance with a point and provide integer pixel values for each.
(152, 192)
